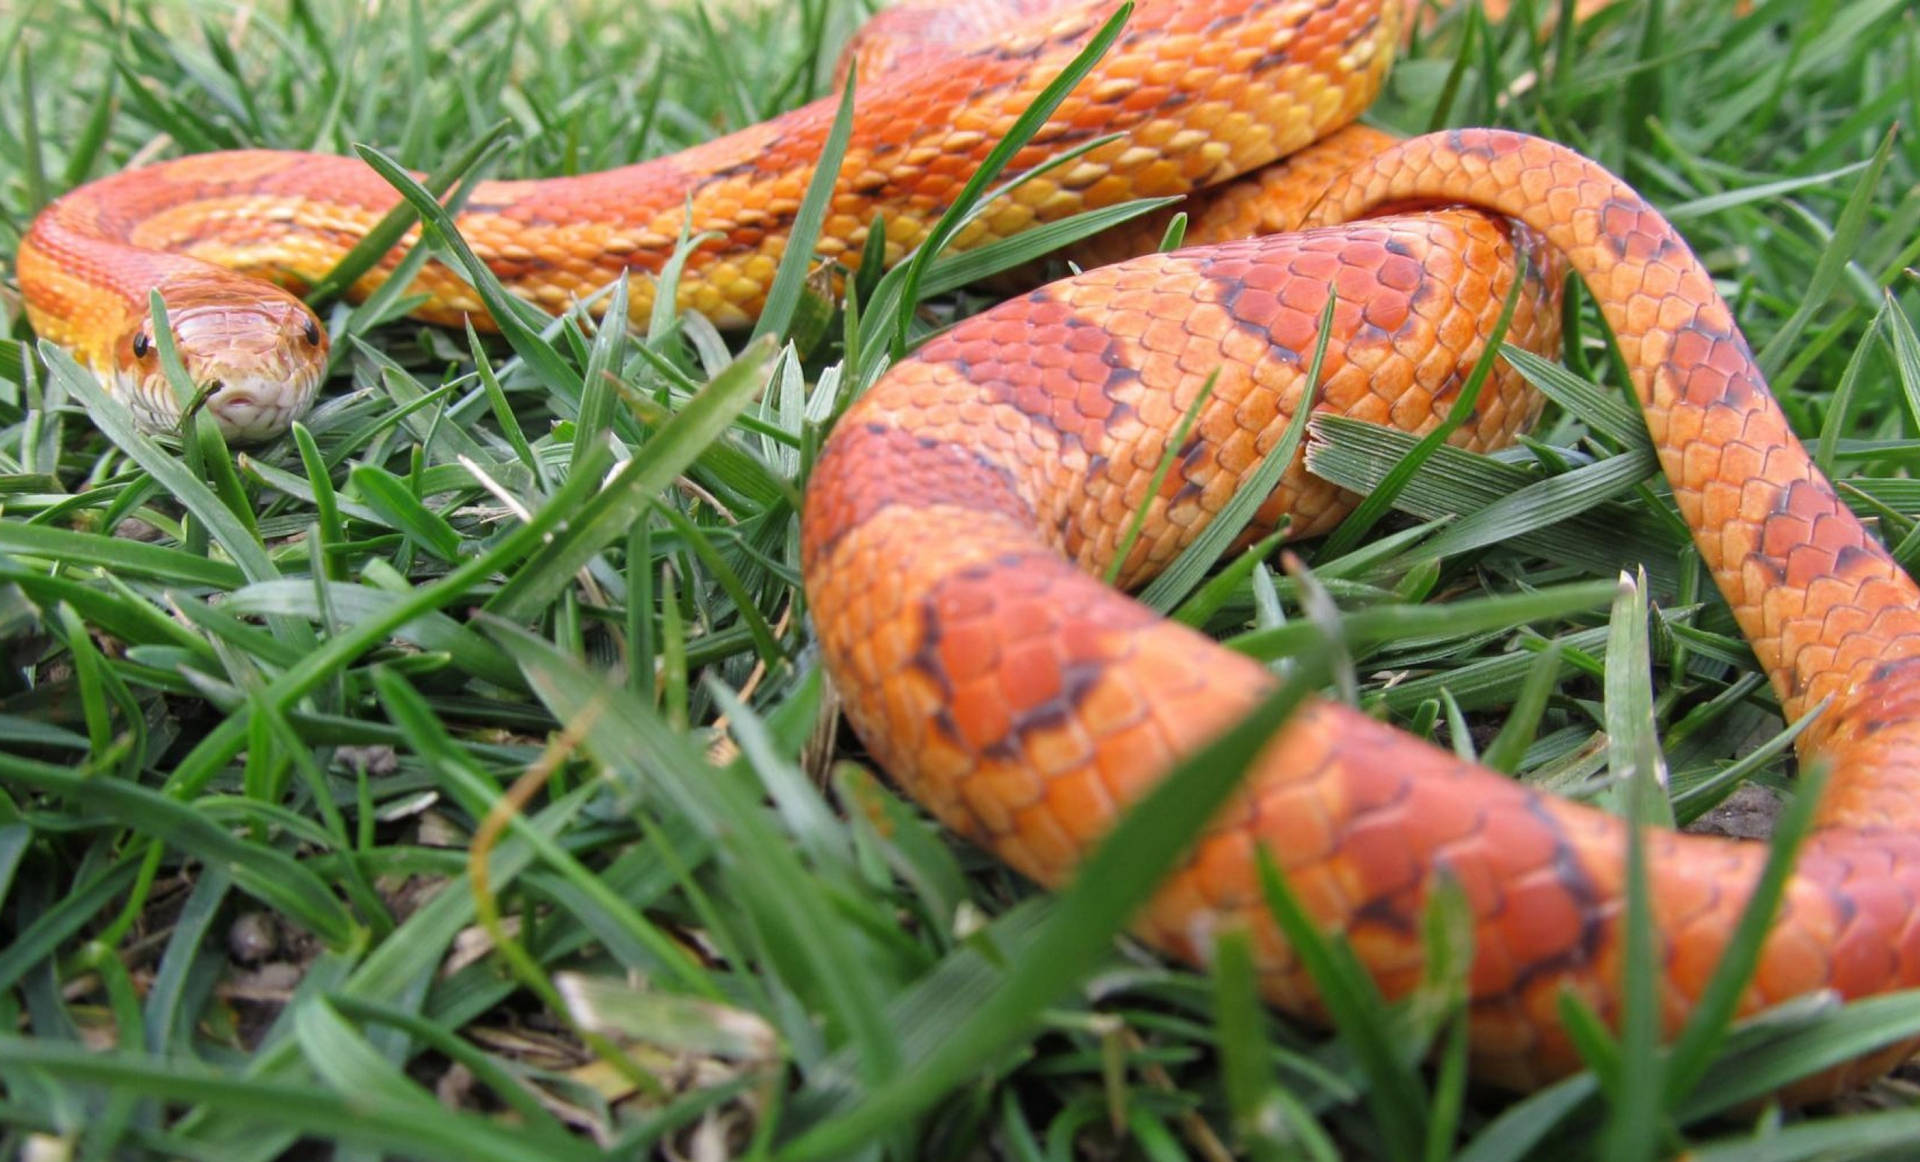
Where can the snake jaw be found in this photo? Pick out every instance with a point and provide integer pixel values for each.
(254, 365)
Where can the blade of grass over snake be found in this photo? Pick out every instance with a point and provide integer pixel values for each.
(790, 278)
(387, 233)
(1024, 127)
(1634, 1122)
(520, 322)
(1396, 1096)
(1198, 558)
(1761, 1059)
(1712, 1018)
(950, 272)
(1138, 523)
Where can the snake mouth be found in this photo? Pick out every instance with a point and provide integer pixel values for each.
(247, 410)
(253, 367)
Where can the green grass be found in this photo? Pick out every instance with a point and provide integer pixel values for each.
(362, 789)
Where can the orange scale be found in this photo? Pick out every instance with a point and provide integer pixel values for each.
(1844, 622)
(1381, 861)
(1833, 533)
(1112, 713)
(1320, 892)
(1052, 848)
(1673, 314)
(1224, 871)
(1082, 805)
(1019, 332)
(1458, 332)
(1692, 955)
(956, 603)
(1178, 919)
(1806, 563)
(1163, 336)
(1542, 920)
(986, 797)
(968, 649)
(1029, 671)
(1702, 461)
(1307, 295)
(1883, 591)
(980, 712)
(1436, 814)
(1388, 312)
(1495, 970)
(1861, 961)
(1058, 752)
(1088, 370)
(1413, 411)
(1045, 352)
(1795, 963)
(1757, 497)
(1174, 305)
(1262, 308)
(1740, 461)
(1857, 650)
(1355, 284)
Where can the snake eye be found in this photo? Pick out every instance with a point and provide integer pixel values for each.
(312, 333)
(141, 345)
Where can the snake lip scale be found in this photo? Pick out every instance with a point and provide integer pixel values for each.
(954, 515)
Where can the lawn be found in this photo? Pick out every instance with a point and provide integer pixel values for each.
(455, 778)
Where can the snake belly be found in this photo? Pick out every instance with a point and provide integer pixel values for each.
(959, 507)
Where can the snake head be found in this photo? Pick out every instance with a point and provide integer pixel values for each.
(254, 358)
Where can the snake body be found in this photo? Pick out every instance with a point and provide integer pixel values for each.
(1028, 705)
(952, 513)
(1198, 91)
